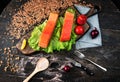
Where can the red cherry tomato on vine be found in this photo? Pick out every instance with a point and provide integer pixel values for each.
(81, 20)
(79, 30)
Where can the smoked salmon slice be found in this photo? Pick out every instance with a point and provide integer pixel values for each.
(67, 27)
(48, 30)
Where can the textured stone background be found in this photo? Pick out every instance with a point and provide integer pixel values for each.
(107, 55)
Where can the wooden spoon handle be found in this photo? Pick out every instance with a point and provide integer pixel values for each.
(30, 76)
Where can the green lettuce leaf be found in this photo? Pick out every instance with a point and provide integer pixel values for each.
(54, 44)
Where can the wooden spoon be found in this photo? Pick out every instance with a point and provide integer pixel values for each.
(42, 64)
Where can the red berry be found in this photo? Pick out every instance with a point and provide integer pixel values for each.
(81, 20)
(66, 68)
(94, 33)
(79, 30)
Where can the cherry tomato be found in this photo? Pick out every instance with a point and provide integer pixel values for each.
(79, 30)
(81, 20)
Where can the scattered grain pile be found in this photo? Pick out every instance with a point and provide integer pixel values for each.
(33, 12)
(10, 62)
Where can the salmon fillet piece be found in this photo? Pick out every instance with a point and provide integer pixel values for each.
(48, 30)
(67, 27)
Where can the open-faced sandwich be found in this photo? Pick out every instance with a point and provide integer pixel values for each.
(58, 31)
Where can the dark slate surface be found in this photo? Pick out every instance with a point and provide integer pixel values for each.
(106, 55)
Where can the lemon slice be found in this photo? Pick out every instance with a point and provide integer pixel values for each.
(23, 44)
